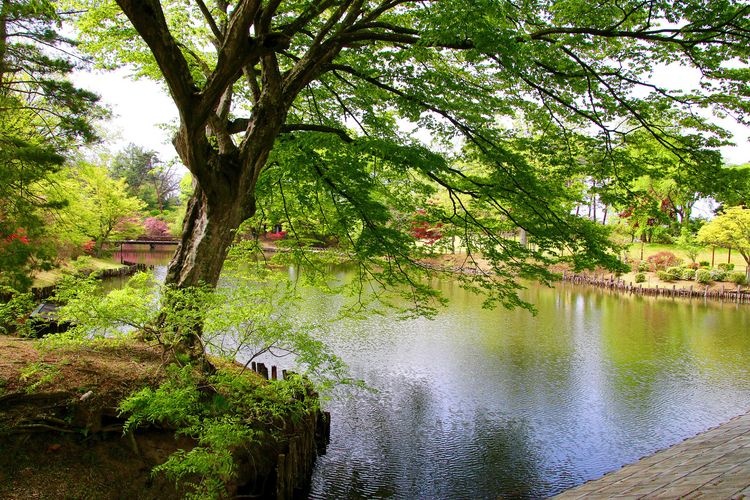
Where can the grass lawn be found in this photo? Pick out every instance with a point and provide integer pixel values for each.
(718, 255)
(49, 278)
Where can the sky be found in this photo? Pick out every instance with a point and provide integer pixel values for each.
(140, 107)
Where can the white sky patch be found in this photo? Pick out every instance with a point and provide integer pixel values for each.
(139, 110)
(677, 76)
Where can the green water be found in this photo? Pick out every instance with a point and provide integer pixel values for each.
(487, 404)
(503, 404)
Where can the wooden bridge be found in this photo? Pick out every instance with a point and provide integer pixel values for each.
(144, 242)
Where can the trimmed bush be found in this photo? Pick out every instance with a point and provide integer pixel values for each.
(726, 266)
(718, 275)
(643, 267)
(676, 272)
(688, 273)
(665, 276)
(738, 278)
(703, 276)
(640, 278)
(705, 263)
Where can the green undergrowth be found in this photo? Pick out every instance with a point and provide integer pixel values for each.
(14, 311)
(231, 412)
(227, 410)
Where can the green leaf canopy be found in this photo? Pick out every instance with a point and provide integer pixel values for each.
(351, 116)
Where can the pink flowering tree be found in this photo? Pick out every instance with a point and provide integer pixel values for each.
(155, 228)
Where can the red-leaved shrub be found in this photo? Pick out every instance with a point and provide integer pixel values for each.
(662, 260)
(276, 236)
(89, 247)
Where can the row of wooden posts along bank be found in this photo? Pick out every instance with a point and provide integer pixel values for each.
(309, 438)
(725, 293)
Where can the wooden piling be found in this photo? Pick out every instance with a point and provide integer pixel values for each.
(600, 281)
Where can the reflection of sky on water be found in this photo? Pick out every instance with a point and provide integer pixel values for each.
(488, 404)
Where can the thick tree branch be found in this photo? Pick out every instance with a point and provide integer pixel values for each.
(309, 127)
(676, 36)
(148, 19)
(313, 12)
(240, 125)
(251, 76)
(210, 20)
(237, 51)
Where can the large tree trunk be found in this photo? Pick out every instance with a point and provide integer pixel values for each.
(208, 231)
(214, 212)
(224, 196)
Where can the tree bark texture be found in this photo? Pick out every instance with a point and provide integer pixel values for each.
(208, 231)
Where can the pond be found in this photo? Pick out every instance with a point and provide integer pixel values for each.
(494, 403)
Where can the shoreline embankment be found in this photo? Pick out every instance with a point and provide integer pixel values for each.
(722, 292)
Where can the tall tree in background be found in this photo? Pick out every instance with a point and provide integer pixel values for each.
(274, 94)
(146, 176)
(735, 183)
(41, 115)
(98, 208)
(133, 164)
(730, 229)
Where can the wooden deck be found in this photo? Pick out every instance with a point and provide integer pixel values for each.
(711, 465)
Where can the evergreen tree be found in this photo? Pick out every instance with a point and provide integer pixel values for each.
(42, 115)
(146, 175)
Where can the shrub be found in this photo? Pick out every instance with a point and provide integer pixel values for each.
(662, 260)
(280, 235)
(83, 265)
(640, 278)
(89, 247)
(705, 263)
(738, 278)
(703, 276)
(687, 273)
(663, 238)
(155, 227)
(718, 275)
(643, 267)
(676, 272)
(237, 412)
(726, 266)
(15, 311)
(665, 276)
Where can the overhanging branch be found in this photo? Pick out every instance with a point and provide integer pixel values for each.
(309, 127)
(239, 125)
